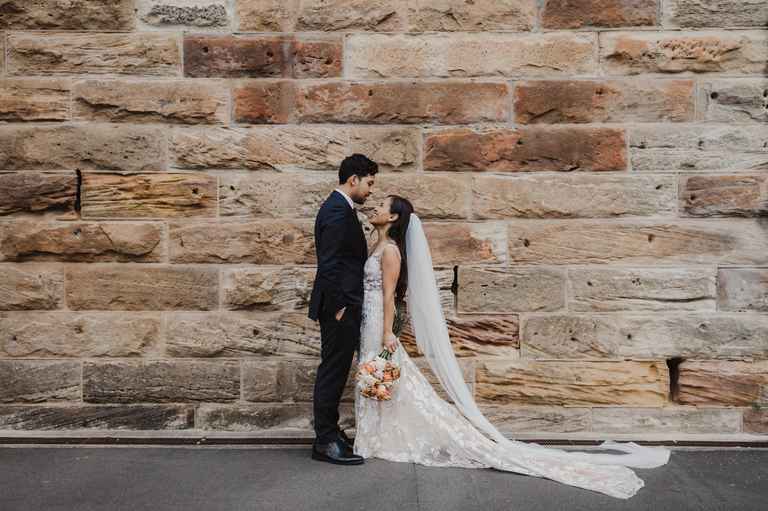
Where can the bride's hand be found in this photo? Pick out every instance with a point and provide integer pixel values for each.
(390, 342)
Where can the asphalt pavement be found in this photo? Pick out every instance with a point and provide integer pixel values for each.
(210, 478)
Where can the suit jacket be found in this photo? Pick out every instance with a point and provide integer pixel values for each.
(341, 251)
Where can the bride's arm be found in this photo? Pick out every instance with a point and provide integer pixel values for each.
(390, 269)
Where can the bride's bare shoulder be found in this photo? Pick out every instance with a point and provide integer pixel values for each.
(391, 250)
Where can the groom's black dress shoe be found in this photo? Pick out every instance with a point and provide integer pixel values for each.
(335, 452)
(344, 438)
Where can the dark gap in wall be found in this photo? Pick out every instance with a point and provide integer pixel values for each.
(455, 289)
(79, 189)
(673, 364)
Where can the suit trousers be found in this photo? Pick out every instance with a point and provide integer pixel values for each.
(339, 340)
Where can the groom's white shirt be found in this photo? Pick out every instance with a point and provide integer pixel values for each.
(349, 200)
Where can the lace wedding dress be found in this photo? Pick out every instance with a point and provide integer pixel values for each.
(418, 426)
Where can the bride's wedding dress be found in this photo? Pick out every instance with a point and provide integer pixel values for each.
(418, 426)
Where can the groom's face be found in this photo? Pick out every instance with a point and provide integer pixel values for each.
(361, 188)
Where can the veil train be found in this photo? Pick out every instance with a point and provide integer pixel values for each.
(433, 341)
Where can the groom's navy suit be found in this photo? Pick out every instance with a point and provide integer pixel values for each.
(341, 253)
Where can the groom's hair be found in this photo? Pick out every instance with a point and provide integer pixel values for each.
(357, 165)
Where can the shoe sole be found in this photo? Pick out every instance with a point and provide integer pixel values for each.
(321, 457)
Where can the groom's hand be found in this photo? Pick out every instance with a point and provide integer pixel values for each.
(340, 313)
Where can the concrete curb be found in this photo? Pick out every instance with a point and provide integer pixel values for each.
(288, 437)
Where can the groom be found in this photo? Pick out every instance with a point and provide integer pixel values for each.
(337, 298)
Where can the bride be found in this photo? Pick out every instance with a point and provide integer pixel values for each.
(418, 426)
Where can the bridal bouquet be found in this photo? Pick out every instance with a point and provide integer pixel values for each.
(376, 376)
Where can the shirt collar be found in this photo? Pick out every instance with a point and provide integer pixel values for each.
(349, 200)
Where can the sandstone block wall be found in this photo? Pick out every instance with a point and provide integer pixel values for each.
(593, 175)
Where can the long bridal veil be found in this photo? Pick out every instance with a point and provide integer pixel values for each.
(433, 341)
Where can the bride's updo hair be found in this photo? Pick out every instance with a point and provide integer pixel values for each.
(403, 208)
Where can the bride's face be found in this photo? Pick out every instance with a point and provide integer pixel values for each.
(381, 214)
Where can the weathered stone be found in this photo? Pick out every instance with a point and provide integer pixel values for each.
(742, 289)
(259, 148)
(537, 419)
(445, 286)
(161, 195)
(573, 101)
(466, 55)
(756, 421)
(570, 14)
(271, 419)
(697, 148)
(372, 103)
(211, 335)
(233, 334)
(194, 14)
(730, 195)
(74, 417)
(402, 102)
(357, 15)
(571, 196)
(702, 335)
(392, 148)
(526, 149)
(38, 381)
(257, 242)
(259, 56)
(267, 15)
(285, 380)
(715, 13)
(184, 102)
(53, 14)
(694, 241)
(647, 289)
(37, 192)
(232, 56)
(81, 241)
(261, 381)
(274, 194)
(36, 288)
(91, 146)
(476, 336)
(263, 102)
(34, 99)
(161, 381)
(136, 53)
(723, 383)
(735, 52)
(73, 334)
(292, 147)
(437, 196)
(464, 243)
(734, 100)
(267, 288)
(316, 58)
(475, 16)
(666, 420)
(142, 288)
(256, 417)
(572, 383)
(494, 290)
